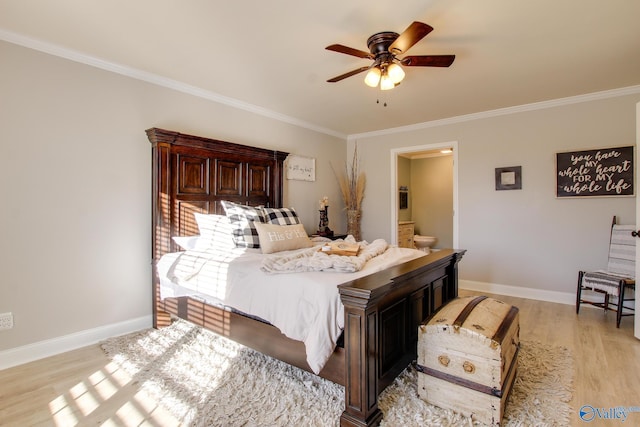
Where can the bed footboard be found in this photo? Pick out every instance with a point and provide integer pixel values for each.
(382, 314)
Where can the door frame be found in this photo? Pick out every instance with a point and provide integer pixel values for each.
(636, 315)
(394, 184)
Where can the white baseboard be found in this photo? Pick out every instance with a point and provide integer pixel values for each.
(39, 350)
(515, 291)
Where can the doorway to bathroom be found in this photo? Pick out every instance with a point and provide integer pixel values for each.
(424, 183)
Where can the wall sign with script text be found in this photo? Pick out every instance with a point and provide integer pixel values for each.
(602, 172)
(301, 168)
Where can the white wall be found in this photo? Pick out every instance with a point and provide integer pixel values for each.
(75, 183)
(520, 238)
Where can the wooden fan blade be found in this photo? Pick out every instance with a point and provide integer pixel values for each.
(349, 74)
(428, 60)
(412, 35)
(349, 51)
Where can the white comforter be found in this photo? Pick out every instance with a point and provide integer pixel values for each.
(304, 306)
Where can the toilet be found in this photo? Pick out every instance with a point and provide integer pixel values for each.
(424, 243)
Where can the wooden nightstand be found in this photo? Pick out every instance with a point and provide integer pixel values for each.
(334, 237)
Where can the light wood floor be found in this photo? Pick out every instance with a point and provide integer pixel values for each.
(82, 387)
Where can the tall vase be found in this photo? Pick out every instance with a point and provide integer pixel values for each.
(353, 223)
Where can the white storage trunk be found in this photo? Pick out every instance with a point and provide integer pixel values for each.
(467, 357)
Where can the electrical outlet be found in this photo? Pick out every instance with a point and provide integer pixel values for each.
(6, 321)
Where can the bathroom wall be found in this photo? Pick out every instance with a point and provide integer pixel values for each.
(432, 194)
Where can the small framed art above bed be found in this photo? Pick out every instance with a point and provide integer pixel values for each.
(217, 214)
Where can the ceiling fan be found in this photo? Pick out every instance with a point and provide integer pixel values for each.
(383, 50)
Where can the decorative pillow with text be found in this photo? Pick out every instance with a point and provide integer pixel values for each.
(277, 238)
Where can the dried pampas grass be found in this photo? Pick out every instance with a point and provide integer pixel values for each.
(352, 183)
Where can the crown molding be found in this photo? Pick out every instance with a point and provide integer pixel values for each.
(613, 93)
(158, 80)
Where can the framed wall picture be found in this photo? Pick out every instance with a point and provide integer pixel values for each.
(509, 178)
(595, 173)
(301, 168)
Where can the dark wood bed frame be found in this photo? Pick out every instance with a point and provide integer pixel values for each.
(382, 311)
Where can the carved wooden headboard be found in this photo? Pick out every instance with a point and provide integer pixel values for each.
(194, 174)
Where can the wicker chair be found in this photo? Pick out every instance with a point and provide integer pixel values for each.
(617, 279)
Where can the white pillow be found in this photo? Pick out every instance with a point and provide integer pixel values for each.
(215, 232)
(276, 238)
(186, 242)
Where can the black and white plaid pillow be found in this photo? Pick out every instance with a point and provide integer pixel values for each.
(280, 216)
(242, 220)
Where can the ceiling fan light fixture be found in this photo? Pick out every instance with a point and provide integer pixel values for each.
(383, 50)
(395, 73)
(386, 83)
(373, 77)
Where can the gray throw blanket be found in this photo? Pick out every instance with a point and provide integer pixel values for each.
(603, 281)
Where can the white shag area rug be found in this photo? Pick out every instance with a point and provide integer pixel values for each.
(204, 379)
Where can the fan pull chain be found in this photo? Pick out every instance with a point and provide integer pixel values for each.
(382, 97)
